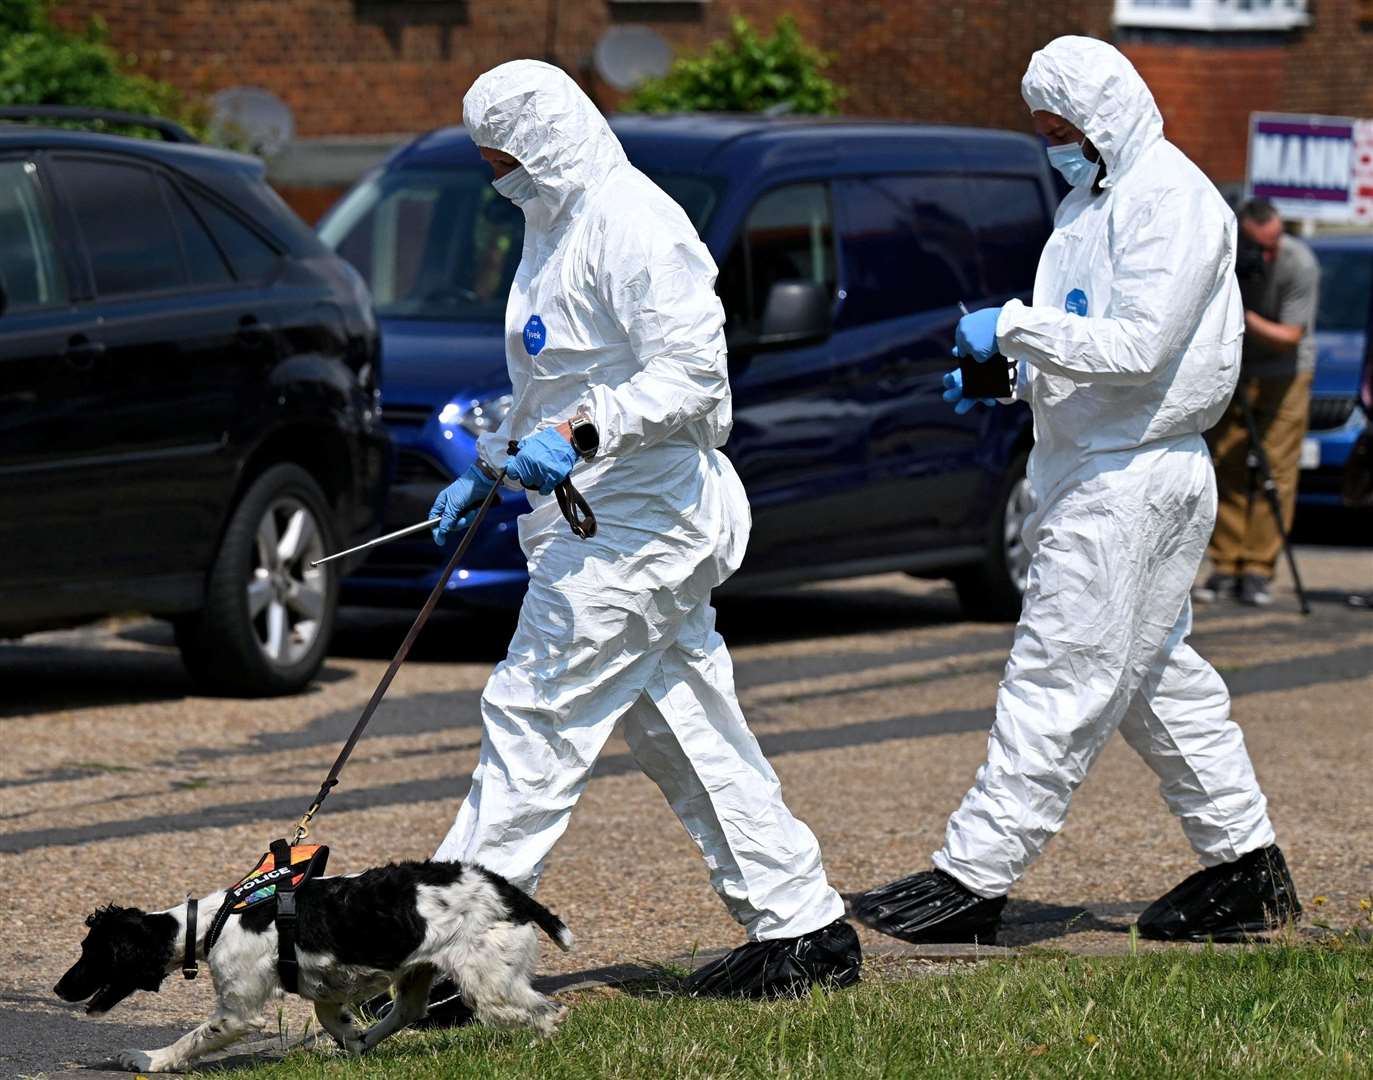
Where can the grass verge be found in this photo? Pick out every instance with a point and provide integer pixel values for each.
(1265, 1011)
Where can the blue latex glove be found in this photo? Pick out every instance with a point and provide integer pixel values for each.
(543, 461)
(953, 393)
(976, 334)
(467, 491)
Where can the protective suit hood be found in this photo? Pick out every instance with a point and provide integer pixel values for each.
(535, 113)
(1095, 88)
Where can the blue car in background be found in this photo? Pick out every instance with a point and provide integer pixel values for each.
(1341, 332)
(844, 248)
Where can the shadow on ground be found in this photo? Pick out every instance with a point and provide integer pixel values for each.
(41, 678)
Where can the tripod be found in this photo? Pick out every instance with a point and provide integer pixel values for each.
(1261, 476)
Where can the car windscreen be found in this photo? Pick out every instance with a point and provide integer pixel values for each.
(443, 244)
(1346, 282)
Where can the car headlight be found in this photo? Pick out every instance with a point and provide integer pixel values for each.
(476, 416)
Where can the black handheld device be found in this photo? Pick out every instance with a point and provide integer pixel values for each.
(989, 379)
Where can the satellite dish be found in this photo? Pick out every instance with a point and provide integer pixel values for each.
(627, 55)
(251, 117)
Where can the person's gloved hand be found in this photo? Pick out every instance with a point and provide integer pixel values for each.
(543, 461)
(456, 499)
(953, 393)
(976, 335)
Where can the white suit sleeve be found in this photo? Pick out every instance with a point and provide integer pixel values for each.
(493, 446)
(1168, 256)
(661, 292)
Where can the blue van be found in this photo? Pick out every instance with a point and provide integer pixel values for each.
(845, 249)
(1335, 420)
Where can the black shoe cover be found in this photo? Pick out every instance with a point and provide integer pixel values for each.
(784, 967)
(1231, 902)
(927, 908)
(446, 1007)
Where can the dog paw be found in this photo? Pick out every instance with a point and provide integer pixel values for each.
(136, 1061)
(550, 1022)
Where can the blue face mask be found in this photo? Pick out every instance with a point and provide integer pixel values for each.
(517, 186)
(1069, 160)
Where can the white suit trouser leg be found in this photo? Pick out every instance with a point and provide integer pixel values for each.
(1101, 643)
(685, 728)
(1180, 723)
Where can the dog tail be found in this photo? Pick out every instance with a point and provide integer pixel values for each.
(525, 909)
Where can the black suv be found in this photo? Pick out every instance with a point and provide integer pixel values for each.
(189, 410)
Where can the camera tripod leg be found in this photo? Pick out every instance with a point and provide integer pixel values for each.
(1257, 461)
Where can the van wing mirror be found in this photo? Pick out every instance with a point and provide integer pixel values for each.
(796, 313)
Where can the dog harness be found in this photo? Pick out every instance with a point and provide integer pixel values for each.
(276, 877)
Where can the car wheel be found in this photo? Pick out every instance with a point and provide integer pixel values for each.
(268, 615)
(993, 590)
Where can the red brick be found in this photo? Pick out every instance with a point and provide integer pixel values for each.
(345, 69)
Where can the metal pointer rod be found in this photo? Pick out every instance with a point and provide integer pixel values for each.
(407, 531)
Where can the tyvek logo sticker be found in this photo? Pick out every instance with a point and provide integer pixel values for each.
(535, 335)
(1075, 304)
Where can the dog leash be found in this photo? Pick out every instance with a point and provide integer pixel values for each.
(583, 522)
(331, 780)
(279, 879)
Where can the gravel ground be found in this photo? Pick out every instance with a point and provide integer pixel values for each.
(871, 697)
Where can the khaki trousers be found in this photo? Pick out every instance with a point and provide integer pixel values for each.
(1246, 539)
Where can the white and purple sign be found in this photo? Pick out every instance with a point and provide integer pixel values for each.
(1304, 165)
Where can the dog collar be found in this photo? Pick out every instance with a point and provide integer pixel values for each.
(188, 967)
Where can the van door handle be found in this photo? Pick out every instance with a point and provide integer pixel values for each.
(82, 352)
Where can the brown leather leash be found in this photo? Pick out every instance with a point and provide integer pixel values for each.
(583, 522)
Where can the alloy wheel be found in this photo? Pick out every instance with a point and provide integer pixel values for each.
(286, 597)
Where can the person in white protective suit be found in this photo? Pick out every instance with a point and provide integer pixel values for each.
(1129, 351)
(616, 353)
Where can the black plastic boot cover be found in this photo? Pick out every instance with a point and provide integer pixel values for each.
(1230, 902)
(929, 907)
(784, 967)
(447, 1009)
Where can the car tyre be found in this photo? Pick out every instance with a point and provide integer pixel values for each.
(994, 589)
(268, 617)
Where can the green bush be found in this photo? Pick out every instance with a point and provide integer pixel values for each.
(745, 73)
(43, 64)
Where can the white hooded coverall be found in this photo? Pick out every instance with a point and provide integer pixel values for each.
(613, 309)
(1128, 353)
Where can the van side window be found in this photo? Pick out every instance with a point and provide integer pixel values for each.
(1012, 226)
(907, 247)
(30, 272)
(788, 236)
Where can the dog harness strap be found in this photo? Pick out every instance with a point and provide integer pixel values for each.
(288, 970)
(188, 967)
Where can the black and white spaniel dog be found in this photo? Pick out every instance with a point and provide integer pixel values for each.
(398, 927)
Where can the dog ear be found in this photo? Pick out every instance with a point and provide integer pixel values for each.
(142, 946)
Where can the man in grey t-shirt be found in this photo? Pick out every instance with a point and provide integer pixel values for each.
(1279, 281)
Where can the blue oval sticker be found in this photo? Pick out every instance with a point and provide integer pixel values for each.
(1076, 303)
(535, 336)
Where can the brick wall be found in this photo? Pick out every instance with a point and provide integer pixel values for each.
(1329, 67)
(377, 66)
(1206, 94)
(384, 66)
